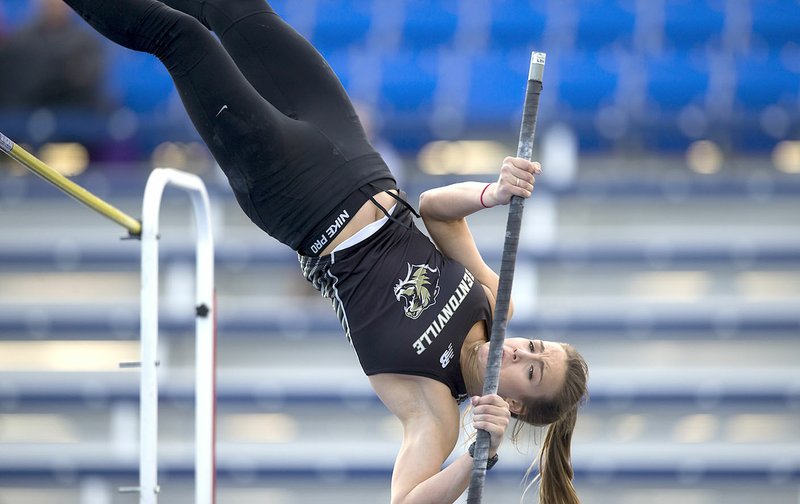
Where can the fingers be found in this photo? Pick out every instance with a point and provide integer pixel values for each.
(518, 176)
(524, 165)
(491, 413)
(491, 400)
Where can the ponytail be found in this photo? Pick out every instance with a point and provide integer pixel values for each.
(555, 464)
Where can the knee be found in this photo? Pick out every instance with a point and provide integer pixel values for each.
(182, 41)
(217, 12)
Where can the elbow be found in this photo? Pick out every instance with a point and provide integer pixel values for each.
(432, 205)
(410, 499)
(400, 499)
(425, 203)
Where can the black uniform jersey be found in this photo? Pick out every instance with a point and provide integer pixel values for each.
(405, 307)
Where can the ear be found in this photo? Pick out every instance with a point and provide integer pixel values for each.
(514, 406)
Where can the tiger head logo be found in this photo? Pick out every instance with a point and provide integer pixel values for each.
(418, 290)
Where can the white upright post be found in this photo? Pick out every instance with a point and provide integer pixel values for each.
(205, 314)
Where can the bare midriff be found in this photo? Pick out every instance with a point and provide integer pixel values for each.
(367, 214)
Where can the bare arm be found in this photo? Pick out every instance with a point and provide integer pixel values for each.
(418, 477)
(430, 419)
(445, 209)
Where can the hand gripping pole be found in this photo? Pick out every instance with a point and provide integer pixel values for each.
(524, 150)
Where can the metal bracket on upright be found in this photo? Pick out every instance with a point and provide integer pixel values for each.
(134, 364)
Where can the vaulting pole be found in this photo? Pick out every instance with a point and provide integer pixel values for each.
(513, 225)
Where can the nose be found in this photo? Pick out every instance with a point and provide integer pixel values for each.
(521, 353)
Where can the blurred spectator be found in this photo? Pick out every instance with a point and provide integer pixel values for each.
(52, 62)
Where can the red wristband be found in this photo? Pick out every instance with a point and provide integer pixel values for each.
(484, 190)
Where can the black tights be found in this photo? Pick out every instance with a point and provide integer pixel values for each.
(270, 109)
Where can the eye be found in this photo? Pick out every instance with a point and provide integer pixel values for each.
(530, 373)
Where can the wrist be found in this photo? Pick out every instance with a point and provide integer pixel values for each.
(491, 461)
(487, 196)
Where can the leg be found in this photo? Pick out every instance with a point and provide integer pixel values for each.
(282, 66)
(251, 140)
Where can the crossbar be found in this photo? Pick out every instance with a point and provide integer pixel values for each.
(40, 168)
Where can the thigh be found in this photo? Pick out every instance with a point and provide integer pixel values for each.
(287, 70)
(272, 161)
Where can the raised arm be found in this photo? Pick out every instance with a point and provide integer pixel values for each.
(444, 210)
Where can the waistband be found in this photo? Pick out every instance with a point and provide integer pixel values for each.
(364, 233)
(333, 223)
(315, 268)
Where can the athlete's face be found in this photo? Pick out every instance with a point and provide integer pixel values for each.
(531, 369)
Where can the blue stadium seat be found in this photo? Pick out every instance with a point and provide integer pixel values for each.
(341, 23)
(339, 61)
(138, 80)
(279, 6)
(675, 82)
(765, 81)
(408, 83)
(429, 24)
(517, 24)
(497, 87)
(602, 23)
(585, 82)
(775, 23)
(692, 24)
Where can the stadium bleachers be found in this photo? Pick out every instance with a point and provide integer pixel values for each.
(774, 25)
(693, 26)
(581, 37)
(603, 25)
(699, 368)
(517, 25)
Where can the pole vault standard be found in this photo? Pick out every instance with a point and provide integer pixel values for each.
(205, 312)
(513, 225)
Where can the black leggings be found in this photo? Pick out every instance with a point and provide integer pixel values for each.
(270, 109)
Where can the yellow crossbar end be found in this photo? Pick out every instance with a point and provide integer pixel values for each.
(44, 171)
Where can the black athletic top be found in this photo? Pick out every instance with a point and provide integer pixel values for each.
(404, 306)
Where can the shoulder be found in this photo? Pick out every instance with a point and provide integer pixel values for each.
(413, 398)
